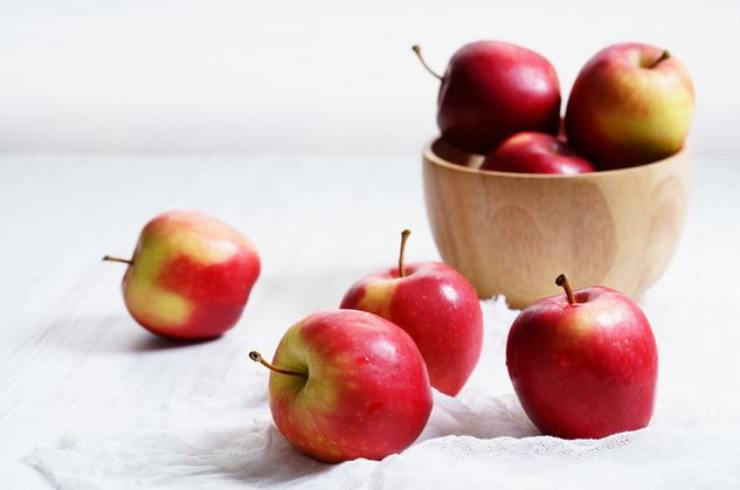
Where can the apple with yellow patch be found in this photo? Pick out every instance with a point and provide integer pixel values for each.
(631, 104)
(584, 364)
(437, 306)
(348, 384)
(190, 276)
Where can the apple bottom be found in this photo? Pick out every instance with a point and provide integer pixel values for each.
(365, 393)
(203, 323)
(575, 405)
(348, 434)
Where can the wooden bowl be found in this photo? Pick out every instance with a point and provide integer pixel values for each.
(513, 233)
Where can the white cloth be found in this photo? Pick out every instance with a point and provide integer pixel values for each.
(479, 439)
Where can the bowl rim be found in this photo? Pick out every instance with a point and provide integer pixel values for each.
(429, 155)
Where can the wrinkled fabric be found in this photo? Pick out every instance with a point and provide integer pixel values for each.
(480, 439)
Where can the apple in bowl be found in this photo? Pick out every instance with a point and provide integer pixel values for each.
(491, 90)
(536, 153)
(631, 104)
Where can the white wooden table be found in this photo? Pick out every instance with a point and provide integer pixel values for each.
(70, 353)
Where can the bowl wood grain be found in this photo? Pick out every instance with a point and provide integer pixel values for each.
(512, 233)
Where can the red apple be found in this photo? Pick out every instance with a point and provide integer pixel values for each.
(584, 364)
(630, 104)
(561, 131)
(437, 306)
(348, 384)
(537, 153)
(190, 276)
(492, 90)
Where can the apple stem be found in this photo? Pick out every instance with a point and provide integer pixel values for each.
(401, 266)
(109, 258)
(257, 357)
(562, 281)
(663, 56)
(417, 50)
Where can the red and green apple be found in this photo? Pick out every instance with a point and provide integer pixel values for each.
(348, 384)
(436, 305)
(190, 276)
(631, 104)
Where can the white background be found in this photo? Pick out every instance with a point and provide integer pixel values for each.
(318, 76)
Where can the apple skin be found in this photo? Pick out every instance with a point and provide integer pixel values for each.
(494, 89)
(623, 111)
(366, 394)
(586, 370)
(190, 276)
(438, 308)
(537, 153)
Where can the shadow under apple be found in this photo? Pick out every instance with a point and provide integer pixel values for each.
(484, 418)
(109, 334)
(259, 454)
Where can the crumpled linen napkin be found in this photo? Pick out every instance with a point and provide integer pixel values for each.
(479, 439)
